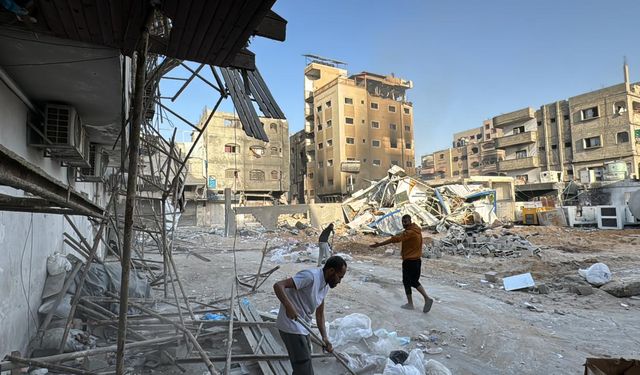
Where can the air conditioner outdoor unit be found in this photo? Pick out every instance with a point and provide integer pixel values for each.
(610, 217)
(98, 160)
(63, 128)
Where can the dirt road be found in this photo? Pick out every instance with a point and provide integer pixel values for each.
(481, 328)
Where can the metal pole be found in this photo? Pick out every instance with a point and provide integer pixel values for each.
(134, 147)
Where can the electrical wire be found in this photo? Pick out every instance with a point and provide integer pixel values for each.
(26, 292)
(61, 62)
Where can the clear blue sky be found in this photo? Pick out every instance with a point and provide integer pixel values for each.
(469, 60)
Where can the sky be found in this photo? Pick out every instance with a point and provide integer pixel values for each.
(469, 60)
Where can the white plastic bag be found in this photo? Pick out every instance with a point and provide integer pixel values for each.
(433, 367)
(598, 274)
(57, 264)
(412, 366)
(351, 328)
(388, 342)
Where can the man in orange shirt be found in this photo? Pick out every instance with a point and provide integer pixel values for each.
(411, 252)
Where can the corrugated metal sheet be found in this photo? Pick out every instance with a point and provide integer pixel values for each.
(242, 102)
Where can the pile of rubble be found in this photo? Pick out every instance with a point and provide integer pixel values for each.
(380, 207)
(478, 240)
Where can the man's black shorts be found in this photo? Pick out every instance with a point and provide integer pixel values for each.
(411, 274)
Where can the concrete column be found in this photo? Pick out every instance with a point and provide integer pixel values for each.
(560, 126)
(547, 134)
(229, 214)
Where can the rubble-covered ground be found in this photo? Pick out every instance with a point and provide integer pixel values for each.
(477, 327)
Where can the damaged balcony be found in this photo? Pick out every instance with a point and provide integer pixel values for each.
(521, 115)
(521, 163)
(517, 139)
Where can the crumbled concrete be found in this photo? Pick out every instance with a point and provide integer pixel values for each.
(626, 287)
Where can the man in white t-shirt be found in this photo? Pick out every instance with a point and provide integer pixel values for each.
(299, 297)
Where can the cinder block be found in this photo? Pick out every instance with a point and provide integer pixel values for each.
(491, 276)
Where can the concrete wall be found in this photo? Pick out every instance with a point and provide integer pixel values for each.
(26, 240)
(322, 214)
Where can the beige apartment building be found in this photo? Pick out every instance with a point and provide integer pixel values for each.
(560, 141)
(227, 158)
(356, 128)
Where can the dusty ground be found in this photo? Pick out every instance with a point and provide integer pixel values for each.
(481, 328)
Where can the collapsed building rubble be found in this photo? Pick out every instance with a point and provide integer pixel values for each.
(478, 240)
(380, 207)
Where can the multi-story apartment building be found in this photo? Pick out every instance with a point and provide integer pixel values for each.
(228, 158)
(356, 128)
(556, 142)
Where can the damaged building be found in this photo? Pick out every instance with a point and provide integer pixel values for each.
(257, 172)
(356, 128)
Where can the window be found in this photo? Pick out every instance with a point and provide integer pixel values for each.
(407, 128)
(393, 126)
(488, 136)
(456, 173)
(565, 117)
(553, 120)
(231, 148)
(539, 123)
(231, 123)
(273, 126)
(329, 142)
(393, 143)
(230, 173)
(478, 136)
(409, 163)
(589, 113)
(330, 163)
(392, 108)
(257, 151)
(375, 162)
(518, 130)
(311, 175)
(348, 101)
(407, 111)
(348, 120)
(320, 165)
(541, 148)
(351, 141)
(567, 144)
(256, 175)
(373, 105)
(375, 143)
(441, 156)
(521, 154)
(274, 151)
(622, 137)
(636, 107)
(522, 178)
(362, 102)
(407, 145)
(319, 127)
(619, 107)
(463, 157)
(394, 162)
(275, 175)
(320, 145)
(375, 124)
(455, 158)
(554, 147)
(319, 109)
(328, 123)
(592, 142)
(328, 104)
(475, 164)
(487, 126)
(474, 150)
(330, 182)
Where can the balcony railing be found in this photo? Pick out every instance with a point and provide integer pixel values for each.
(522, 163)
(517, 139)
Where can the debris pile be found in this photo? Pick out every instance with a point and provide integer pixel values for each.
(380, 207)
(477, 240)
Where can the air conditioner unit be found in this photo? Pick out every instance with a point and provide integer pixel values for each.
(63, 128)
(587, 176)
(610, 217)
(98, 160)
